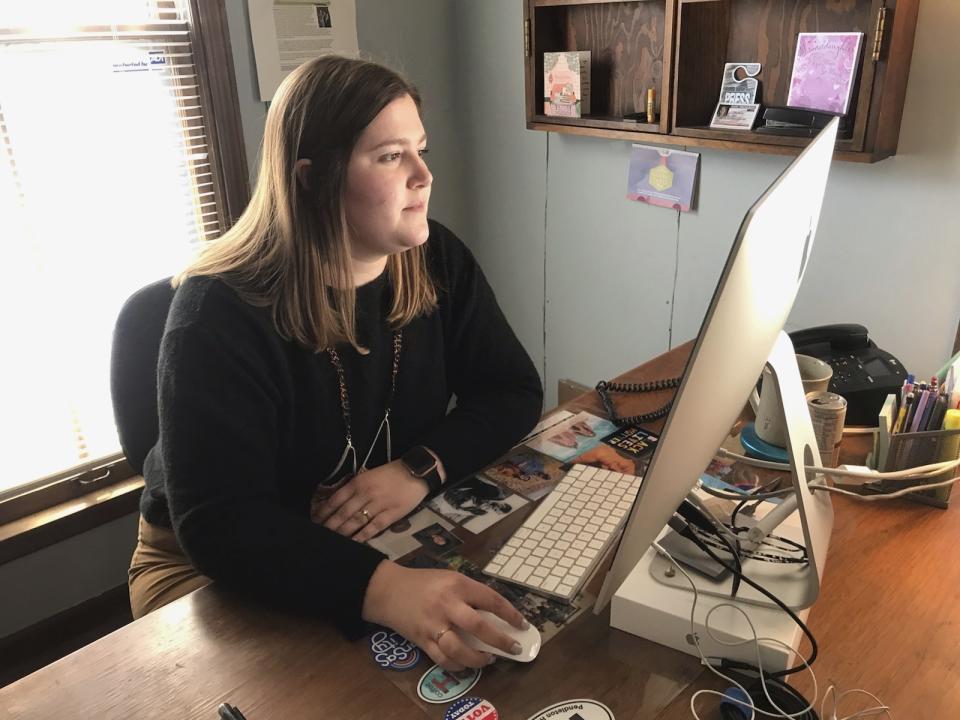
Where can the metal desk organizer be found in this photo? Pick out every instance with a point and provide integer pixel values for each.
(914, 449)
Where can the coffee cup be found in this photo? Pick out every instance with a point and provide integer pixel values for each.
(815, 375)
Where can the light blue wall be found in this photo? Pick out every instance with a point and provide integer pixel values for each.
(887, 253)
(414, 37)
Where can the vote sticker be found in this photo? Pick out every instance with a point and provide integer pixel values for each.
(393, 651)
(441, 686)
(575, 710)
(471, 708)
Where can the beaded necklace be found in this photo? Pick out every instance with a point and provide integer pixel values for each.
(384, 426)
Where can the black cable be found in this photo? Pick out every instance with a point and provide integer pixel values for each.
(692, 536)
(604, 387)
(785, 697)
(786, 545)
(699, 519)
(766, 488)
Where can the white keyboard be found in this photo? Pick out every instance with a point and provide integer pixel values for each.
(557, 547)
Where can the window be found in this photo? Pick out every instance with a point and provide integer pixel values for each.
(111, 174)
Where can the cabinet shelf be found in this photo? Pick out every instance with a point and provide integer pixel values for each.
(679, 48)
(599, 121)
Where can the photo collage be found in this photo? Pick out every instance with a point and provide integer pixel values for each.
(524, 475)
(432, 536)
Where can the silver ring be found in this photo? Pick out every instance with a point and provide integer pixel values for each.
(366, 515)
(436, 638)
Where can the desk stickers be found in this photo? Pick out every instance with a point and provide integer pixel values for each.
(393, 651)
(471, 708)
(439, 686)
(575, 710)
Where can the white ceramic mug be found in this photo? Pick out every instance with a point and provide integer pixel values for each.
(770, 426)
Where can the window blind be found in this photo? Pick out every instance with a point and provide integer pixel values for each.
(106, 184)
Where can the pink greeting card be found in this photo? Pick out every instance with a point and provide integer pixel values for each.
(825, 71)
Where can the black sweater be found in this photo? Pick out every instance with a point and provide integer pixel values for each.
(250, 423)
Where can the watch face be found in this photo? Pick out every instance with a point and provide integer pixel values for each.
(419, 461)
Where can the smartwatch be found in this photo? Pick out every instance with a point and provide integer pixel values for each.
(422, 464)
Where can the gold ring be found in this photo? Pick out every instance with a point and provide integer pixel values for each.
(436, 638)
(366, 515)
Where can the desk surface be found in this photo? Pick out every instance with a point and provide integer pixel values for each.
(888, 621)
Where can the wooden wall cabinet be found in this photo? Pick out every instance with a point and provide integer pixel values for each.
(679, 47)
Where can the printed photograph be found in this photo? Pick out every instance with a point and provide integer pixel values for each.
(424, 560)
(476, 504)
(547, 423)
(666, 178)
(545, 614)
(633, 441)
(607, 458)
(735, 117)
(437, 538)
(573, 436)
(526, 472)
(401, 537)
(323, 16)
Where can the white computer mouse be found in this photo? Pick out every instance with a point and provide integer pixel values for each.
(529, 639)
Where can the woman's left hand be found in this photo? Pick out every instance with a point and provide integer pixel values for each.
(372, 501)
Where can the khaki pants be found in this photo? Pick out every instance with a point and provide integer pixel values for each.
(159, 571)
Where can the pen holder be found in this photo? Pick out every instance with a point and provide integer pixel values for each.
(908, 450)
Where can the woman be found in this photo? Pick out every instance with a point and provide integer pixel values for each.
(308, 362)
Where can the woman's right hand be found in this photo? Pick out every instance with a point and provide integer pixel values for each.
(426, 606)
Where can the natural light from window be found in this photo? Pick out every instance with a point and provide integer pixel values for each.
(97, 199)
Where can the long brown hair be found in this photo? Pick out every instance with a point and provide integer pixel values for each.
(290, 248)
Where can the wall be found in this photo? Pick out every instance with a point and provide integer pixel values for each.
(595, 284)
(415, 37)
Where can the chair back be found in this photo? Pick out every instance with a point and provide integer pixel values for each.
(133, 369)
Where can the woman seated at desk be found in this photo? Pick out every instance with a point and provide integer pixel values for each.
(306, 370)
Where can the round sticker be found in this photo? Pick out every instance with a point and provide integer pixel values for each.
(575, 710)
(441, 686)
(393, 651)
(471, 708)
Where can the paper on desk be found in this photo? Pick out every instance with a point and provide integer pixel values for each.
(287, 33)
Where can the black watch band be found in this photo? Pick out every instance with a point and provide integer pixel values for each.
(422, 464)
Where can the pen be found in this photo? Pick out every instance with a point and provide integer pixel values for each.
(229, 712)
(930, 409)
(901, 415)
(906, 413)
(921, 405)
(907, 388)
(939, 410)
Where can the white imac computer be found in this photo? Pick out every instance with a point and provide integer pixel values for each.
(741, 332)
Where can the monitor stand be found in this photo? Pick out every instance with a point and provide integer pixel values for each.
(797, 585)
(655, 601)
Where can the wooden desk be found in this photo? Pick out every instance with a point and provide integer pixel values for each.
(888, 620)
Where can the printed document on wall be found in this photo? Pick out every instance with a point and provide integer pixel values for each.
(287, 33)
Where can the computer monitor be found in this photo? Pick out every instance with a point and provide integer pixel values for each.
(741, 329)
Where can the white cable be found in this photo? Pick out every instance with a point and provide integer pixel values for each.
(838, 697)
(756, 640)
(840, 491)
(886, 496)
(860, 430)
(880, 708)
(931, 469)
